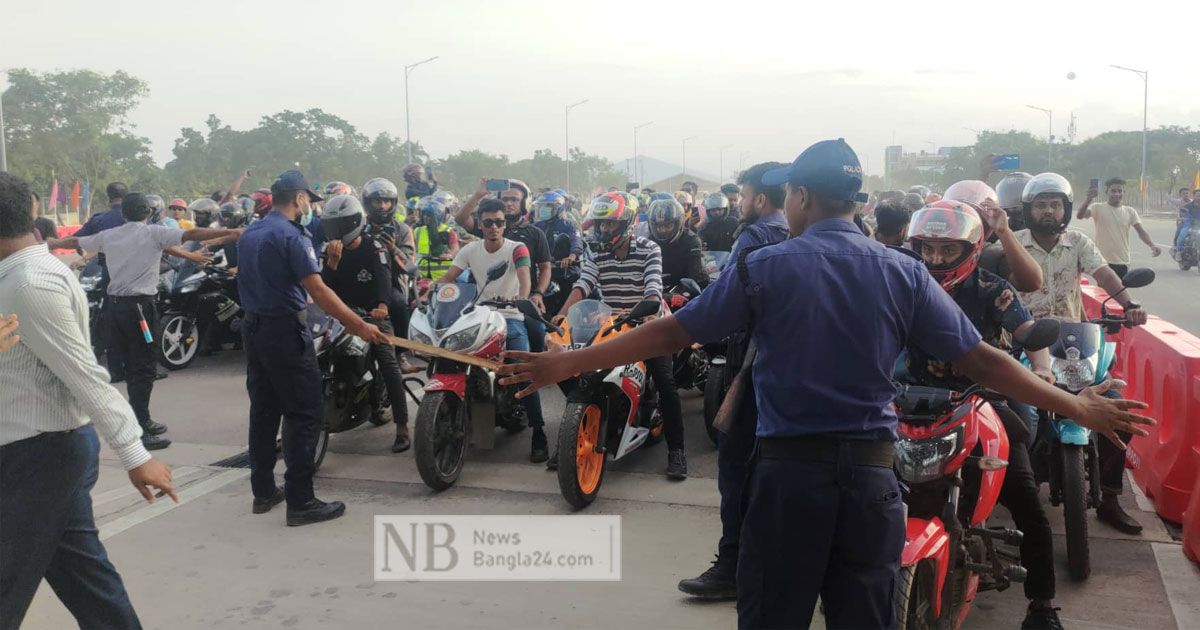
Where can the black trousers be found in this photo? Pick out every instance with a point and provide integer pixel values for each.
(1111, 459)
(1120, 270)
(1019, 495)
(813, 528)
(284, 382)
(661, 370)
(47, 529)
(734, 450)
(389, 368)
(125, 315)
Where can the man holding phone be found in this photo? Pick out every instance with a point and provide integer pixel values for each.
(420, 181)
(1113, 221)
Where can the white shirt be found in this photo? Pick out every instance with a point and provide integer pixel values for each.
(475, 258)
(132, 252)
(51, 379)
(1112, 230)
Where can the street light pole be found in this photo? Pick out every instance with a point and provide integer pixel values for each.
(3, 149)
(567, 135)
(722, 161)
(1049, 134)
(407, 127)
(1145, 74)
(636, 173)
(685, 141)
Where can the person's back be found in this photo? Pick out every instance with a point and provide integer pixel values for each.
(683, 258)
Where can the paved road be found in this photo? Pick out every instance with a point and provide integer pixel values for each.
(209, 563)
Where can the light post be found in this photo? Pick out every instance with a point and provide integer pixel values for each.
(1145, 74)
(722, 161)
(407, 125)
(1049, 134)
(685, 141)
(567, 135)
(636, 173)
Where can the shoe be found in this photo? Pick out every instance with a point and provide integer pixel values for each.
(154, 428)
(409, 368)
(676, 464)
(315, 511)
(402, 443)
(262, 506)
(717, 583)
(538, 450)
(155, 442)
(1041, 618)
(552, 463)
(1112, 514)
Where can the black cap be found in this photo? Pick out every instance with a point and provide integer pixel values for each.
(293, 180)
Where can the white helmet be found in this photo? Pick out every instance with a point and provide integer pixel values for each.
(1048, 183)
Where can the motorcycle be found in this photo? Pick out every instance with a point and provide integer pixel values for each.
(690, 364)
(606, 411)
(91, 281)
(719, 376)
(1188, 255)
(561, 280)
(463, 404)
(198, 307)
(1065, 454)
(952, 455)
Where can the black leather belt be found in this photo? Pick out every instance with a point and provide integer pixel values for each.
(827, 450)
(132, 298)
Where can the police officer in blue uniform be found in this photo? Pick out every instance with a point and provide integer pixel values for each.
(830, 310)
(277, 273)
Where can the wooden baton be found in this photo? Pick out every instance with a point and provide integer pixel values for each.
(442, 353)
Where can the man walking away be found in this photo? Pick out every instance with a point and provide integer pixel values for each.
(1113, 221)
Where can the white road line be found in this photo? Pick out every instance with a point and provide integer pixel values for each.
(164, 505)
(127, 490)
(1181, 580)
(1143, 502)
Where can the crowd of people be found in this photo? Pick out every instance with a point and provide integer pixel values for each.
(830, 296)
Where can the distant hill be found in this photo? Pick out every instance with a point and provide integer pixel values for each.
(653, 170)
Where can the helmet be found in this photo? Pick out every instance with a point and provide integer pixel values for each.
(343, 218)
(913, 201)
(177, 203)
(203, 211)
(231, 215)
(524, 188)
(949, 221)
(447, 198)
(684, 198)
(380, 188)
(247, 204)
(932, 197)
(1008, 191)
(338, 188)
(974, 192)
(666, 221)
(411, 204)
(1047, 183)
(412, 171)
(716, 201)
(920, 190)
(157, 206)
(431, 208)
(609, 207)
(262, 201)
(548, 206)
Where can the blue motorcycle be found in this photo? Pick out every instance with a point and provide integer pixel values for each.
(1065, 454)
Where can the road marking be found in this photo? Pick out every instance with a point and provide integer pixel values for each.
(1143, 502)
(1181, 581)
(164, 505)
(177, 475)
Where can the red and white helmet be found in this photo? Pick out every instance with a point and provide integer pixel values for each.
(949, 221)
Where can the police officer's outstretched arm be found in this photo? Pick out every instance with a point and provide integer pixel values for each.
(332, 304)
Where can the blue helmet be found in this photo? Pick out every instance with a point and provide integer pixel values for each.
(549, 206)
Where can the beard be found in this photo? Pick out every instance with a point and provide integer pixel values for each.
(1046, 226)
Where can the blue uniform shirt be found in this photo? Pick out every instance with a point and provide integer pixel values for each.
(274, 255)
(316, 233)
(771, 228)
(831, 311)
(559, 225)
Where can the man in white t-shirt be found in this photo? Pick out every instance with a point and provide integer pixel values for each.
(1113, 221)
(479, 256)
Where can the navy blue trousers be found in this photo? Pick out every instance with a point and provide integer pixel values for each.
(734, 450)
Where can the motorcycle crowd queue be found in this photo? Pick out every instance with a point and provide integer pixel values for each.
(903, 422)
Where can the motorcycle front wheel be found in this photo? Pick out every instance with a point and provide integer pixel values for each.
(178, 340)
(440, 439)
(1075, 502)
(580, 467)
(914, 610)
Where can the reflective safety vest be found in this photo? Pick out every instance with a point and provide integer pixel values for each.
(429, 266)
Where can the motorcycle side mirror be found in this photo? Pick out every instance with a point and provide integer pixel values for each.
(690, 285)
(497, 271)
(1137, 278)
(644, 308)
(1041, 335)
(528, 309)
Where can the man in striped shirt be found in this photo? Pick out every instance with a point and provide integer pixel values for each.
(53, 394)
(627, 269)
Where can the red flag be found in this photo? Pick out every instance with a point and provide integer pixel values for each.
(75, 196)
(53, 194)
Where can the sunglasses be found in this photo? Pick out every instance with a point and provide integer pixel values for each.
(493, 223)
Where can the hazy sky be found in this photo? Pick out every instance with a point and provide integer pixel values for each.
(768, 78)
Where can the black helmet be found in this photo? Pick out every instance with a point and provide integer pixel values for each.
(666, 220)
(232, 215)
(204, 211)
(380, 188)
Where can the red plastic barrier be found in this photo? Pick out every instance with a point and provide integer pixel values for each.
(1191, 516)
(63, 232)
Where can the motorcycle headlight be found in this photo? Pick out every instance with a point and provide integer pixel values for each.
(1074, 374)
(461, 340)
(921, 460)
(419, 337)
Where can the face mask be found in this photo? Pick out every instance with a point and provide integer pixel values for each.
(306, 218)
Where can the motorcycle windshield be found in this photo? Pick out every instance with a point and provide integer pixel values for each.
(586, 318)
(714, 263)
(1085, 338)
(448, 302)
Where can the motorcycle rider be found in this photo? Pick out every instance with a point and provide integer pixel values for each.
(231, 216)
(358, 269)
(381, 198)
(733, 193)
(1004, 253)
(548, 217)
(416, 184)
(949, 237)
(1188, 213)
(1064, 255)
(436, 244)
(628, 269)
(682, 255)
(891, 224)
(717, 234)
(479, 256)
(762, 223)
(204, 211)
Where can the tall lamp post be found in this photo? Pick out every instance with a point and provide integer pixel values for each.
(567, 135)
(685, 141)
(407, 126)
(637, 174)
(722, 161)
(1049, 134)
(1145, 74)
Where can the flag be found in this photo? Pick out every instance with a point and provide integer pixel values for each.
(75, 196)
(87, 197)
(53, 194)
(1196, 181)
(1142, 185)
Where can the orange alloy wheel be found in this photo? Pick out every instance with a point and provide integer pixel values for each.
(588, 462)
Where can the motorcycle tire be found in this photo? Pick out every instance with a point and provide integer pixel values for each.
(715, 387)
(1075, 503)
(913, 601)
(580, 467)
(322, 446)
(177, 340)
(439, 439)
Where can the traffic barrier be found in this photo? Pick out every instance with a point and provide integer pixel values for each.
(1191, 516)
(63, 232)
